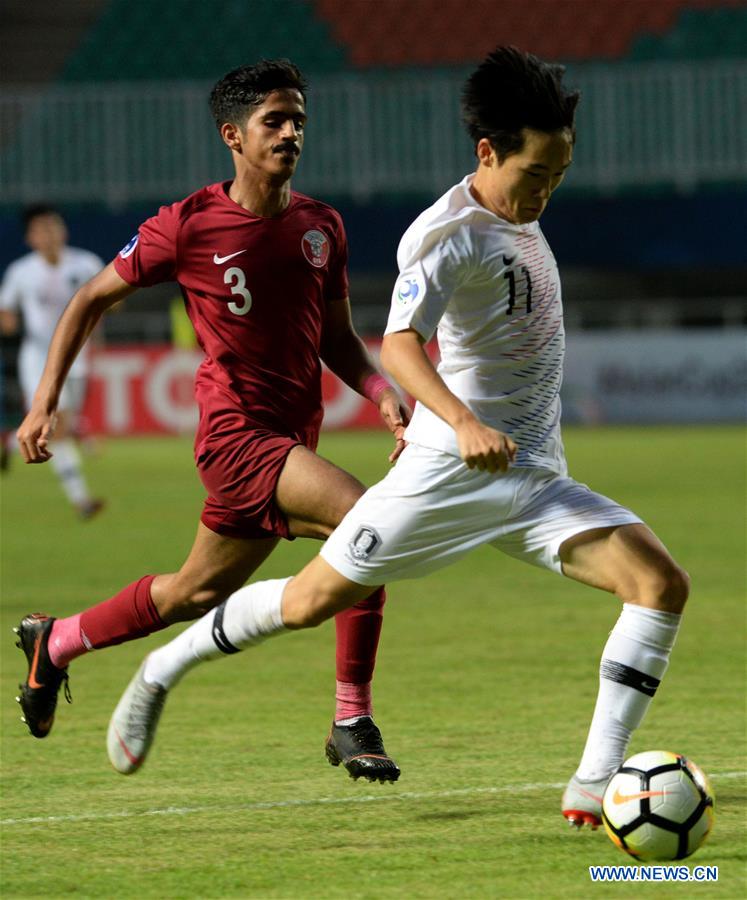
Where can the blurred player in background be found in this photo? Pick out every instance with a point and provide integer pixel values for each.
(263, 273)
(34, 293)
(11, 403)
(484, 462)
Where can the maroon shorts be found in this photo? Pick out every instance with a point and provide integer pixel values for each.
(240, 471)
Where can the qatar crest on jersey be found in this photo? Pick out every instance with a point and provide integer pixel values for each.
(315, 247)
(129, 247)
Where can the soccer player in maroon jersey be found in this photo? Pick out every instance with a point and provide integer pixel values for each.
(263, 274)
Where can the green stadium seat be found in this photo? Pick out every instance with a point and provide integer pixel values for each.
(698, 34)
(186, 40)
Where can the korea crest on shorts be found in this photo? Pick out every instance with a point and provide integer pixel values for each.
(315, 247)
(364, 543)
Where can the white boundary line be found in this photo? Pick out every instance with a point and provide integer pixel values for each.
(293, 804)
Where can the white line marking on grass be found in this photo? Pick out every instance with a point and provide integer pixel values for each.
(293, 804)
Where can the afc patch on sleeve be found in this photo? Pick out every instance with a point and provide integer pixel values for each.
(129, 247)
(409, 288)
(364, 544)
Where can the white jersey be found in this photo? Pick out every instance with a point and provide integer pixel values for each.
(491, 291)
(41, 292)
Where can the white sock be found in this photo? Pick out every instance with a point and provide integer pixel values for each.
(250, 615)
(67, 466)
(633, 663)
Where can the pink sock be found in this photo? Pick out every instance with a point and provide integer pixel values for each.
(352, 700)
(65, 642)
(127, 615)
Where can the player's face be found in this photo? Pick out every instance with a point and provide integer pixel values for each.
(519, 188)
(46, 234)
(272, 138)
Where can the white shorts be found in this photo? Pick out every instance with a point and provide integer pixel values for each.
(431, 510)
(31, 361)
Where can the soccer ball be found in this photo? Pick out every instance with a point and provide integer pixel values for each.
(657, 806)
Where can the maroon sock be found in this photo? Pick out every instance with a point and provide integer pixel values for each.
(127, 615)
(358, 630)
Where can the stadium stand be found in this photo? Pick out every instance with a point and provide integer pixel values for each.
(181, 39)
(33, 54)
(121, 40)
(451, 32)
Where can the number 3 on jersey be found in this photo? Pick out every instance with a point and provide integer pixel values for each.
(237, 280)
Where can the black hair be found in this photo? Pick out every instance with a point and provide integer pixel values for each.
(232, 98)
(37, 209)
(512, 90)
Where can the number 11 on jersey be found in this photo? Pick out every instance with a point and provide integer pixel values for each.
(510, 276)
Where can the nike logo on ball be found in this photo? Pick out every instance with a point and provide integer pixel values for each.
(221, 259)
(619, 798)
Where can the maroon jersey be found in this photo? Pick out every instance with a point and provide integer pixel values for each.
(255, 290)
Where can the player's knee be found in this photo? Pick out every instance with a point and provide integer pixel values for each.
(678, 588)
(306, 609)
(669, 587)
(311, 617)
(304, 612)
(373, 603)
(186, 603)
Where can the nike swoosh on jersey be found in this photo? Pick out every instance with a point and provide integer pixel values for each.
(218, 260)
(618, 798)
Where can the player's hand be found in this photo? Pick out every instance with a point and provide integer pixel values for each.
(34, 435)
(484, 448)
(396, 414)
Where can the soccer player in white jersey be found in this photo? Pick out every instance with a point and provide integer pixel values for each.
(36, 288)
(484, 462)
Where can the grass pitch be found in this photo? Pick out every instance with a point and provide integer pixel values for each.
(485, 686)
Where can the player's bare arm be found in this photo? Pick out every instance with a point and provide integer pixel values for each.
(481, 447)
(77, 322)
(8, 322)
(347, 356)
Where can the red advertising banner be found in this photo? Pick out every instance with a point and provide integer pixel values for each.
(148, 389)
(621, 376)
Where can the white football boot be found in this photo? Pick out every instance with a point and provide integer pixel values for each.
(133, 725)
(582, 802)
